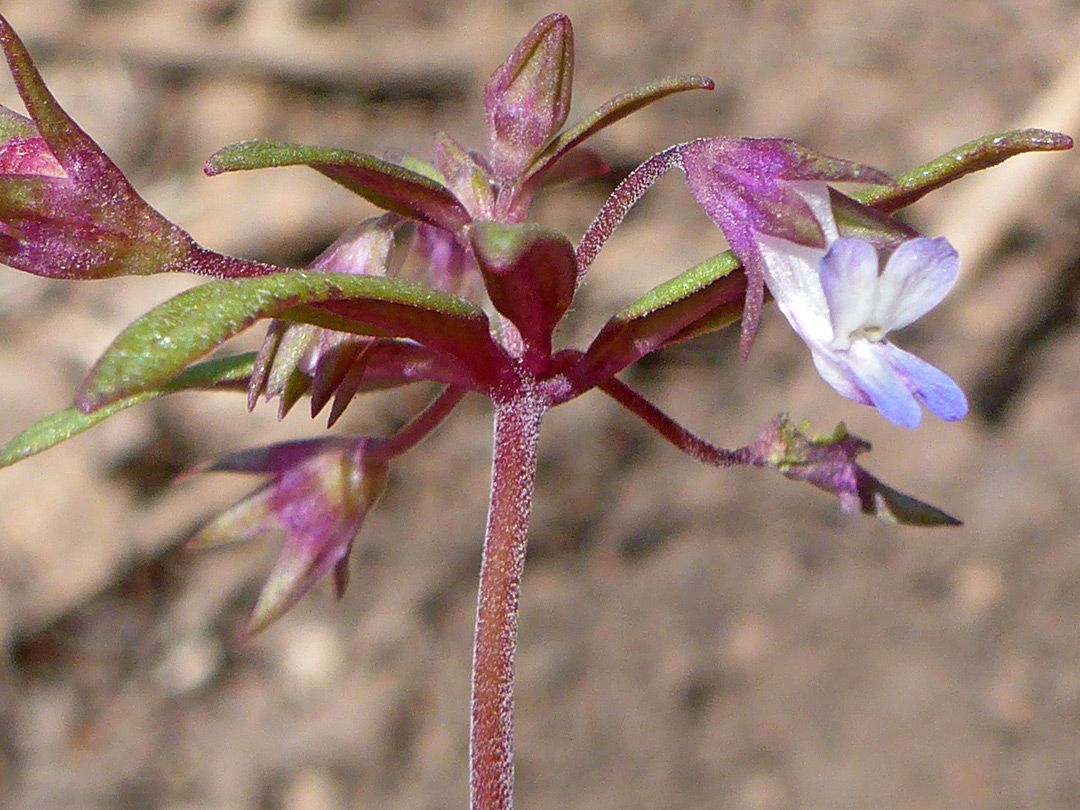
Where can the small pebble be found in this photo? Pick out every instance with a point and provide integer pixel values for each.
(312, 789)
(311, 657)
(190, 664)
(747, 643)
(975, 590)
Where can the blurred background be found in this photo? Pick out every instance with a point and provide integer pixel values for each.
(690, 638)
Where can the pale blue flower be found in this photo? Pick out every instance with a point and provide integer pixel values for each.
(842, 303)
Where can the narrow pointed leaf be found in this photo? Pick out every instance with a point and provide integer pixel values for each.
(981, 153)
(264, 361)
(387, 185)
(614, 110)
(226, 373)
(292, 392)
(856, 220)
(893, 506)
(331, 369)
(349, 384)
(290, 349)
(170, 337)
(712, 293)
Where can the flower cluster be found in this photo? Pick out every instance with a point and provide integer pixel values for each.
(842, 271)
(473, 308)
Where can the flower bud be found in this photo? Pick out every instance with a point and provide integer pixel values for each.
(528, 97)
(321, 491)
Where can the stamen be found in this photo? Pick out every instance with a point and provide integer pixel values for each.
(875, 334)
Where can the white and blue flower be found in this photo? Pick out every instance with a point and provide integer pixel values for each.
(843, 305)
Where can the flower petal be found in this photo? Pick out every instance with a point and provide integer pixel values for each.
(916, 277)
(791, 271)
(817, 196)
(849, 277)
(930, 385)
(886, 388)
(836, 374)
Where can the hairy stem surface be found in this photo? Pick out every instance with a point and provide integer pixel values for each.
(517, 424)
(423, 423)
(691, 444)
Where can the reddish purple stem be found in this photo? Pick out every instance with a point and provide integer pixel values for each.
(491, 779)
(622, 199)
(694, 446)
(409, 435)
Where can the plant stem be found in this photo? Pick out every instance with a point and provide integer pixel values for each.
(491, 758)
(691, 444)
(618, 205)
(417, 429)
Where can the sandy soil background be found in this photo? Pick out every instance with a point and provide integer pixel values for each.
(690, 638)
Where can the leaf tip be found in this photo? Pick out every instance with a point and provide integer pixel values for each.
(88, 400)
(213, 165)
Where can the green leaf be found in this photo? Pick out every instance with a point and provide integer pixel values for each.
(709, 295)
(387, 185)
(227, 373)
(689, 282)
(159, 345)
(981, 153)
